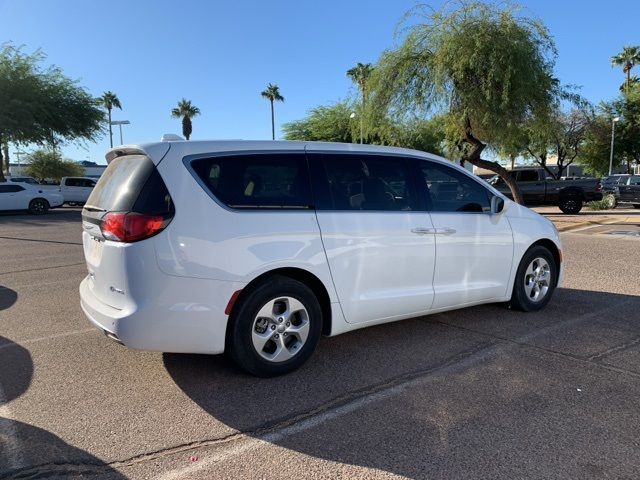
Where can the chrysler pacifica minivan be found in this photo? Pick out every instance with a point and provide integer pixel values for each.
(258, 248)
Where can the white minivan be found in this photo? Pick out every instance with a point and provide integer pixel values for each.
(258, 248)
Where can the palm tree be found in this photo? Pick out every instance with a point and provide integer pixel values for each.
(630, 83)
(360, 75)
(110, 100)
(272, 93)
(628, 58)
(185, 110)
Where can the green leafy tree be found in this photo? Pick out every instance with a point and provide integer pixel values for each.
(360, 75)
(40, 105)
(562, 135)
(185, 110)
(487, 70)
(628, 58)
(110, 100)
(325, 123)
(594, 156)
(627, 135)
(49, 164)
(333, 123)
(272, 93)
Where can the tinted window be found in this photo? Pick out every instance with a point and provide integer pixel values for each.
(257, 181)
(367, 182)
(122, 181)
(527, 176)
(634, 180)
(10, 188)
(73, 182)
(451, 191)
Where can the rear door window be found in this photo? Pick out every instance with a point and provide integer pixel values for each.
(527, 176)
(264, 181)
(363, 182)
(10, 188)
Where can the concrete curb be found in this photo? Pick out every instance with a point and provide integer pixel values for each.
(603, 221)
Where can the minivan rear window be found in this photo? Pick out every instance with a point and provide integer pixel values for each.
(277, 181)
(121, 183)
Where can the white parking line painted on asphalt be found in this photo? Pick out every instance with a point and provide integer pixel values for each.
(28, 341)
(247, 443)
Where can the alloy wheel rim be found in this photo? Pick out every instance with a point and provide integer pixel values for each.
(280, 329)
(38, 206)
(537, 279)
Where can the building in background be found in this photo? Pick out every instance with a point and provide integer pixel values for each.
(91, 169)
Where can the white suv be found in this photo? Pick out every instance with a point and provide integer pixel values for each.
(257, 248)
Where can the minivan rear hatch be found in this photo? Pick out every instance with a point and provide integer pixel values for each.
(129, 204)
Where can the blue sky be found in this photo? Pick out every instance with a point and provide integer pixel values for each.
(221, 55)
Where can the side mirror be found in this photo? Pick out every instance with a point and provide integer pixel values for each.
(497, 204)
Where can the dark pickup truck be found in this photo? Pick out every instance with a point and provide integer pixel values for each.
(630, 191)
(537, 189)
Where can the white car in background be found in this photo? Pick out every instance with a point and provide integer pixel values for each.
(25, 196)
(258, 248)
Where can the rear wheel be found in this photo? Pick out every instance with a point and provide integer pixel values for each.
(38, 206)
(535, 280)
(275, 327)
(570, 205)
(611, 201)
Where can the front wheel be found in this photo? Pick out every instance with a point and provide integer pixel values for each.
(38, 206)
(275, 327)
(570, 205)
(535, 280)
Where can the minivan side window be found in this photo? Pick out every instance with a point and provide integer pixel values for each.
(448, 190)
(366, 182)
(265, 181)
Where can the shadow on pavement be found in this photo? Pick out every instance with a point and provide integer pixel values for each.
(7, 297)
(497, 393)
(54, 216)
(27, 451)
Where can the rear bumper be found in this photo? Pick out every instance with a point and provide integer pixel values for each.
(185, 317)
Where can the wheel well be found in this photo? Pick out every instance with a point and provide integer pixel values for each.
(553, 248)
(310, 280)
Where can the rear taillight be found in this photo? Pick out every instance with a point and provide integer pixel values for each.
(131, 226)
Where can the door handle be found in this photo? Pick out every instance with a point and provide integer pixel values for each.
(445, 231)
(423, 230)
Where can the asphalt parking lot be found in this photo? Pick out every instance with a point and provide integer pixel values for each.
(477, 393)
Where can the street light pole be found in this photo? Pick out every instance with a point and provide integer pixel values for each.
(120, 123)
(613, 136)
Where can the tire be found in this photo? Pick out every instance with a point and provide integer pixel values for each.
(38, 206)
(636, 205)
(611, 200)
(571, 205)
(523, 297)
(280, 333)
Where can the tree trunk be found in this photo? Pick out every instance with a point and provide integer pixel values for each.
(273, 123)
(473, 157)
(2, 179)
(187, 127)
(110, 129)
(5, 152)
